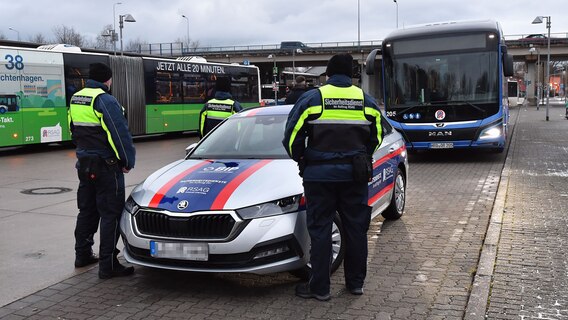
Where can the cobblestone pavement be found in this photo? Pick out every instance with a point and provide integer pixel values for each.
(420, 267)
(530, 279)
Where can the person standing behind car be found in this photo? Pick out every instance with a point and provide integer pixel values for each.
(219, 108)
(105, 151)
(342, 127)
(298, 90)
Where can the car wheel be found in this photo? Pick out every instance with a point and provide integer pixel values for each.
(337, 247)
(398, 200)
(3, 109)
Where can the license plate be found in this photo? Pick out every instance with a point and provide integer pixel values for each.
(180, 250)
(441, 145)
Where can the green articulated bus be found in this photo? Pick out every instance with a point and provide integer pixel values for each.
(160, 95)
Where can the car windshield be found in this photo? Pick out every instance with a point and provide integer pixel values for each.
(245, 137)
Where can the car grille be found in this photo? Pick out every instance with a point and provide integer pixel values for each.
(204, 226)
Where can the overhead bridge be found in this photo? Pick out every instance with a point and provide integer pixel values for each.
(266, 57)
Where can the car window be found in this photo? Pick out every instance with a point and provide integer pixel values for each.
(257, 137)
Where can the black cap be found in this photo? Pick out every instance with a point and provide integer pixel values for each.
(340, 64)
(223, 84)
(99, 72)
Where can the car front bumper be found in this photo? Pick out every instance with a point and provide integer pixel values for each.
(263, 245)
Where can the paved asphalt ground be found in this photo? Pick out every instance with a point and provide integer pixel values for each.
(482, 240)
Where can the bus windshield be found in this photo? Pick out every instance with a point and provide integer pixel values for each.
(442, 78)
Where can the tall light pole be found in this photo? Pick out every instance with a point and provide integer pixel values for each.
(536, 20)
(121, 18)
(275, 77)
(187, 19)
(16, 31)
(113, 35)
(359, 25)
(396, 13)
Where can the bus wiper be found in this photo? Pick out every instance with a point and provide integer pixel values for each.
(461, 102)
(410, 108)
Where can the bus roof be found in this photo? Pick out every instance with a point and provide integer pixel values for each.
(450, 27)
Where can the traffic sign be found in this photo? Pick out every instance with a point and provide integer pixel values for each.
(246, 62)
(275, 70)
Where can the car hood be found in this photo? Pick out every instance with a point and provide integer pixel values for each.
(228, 184)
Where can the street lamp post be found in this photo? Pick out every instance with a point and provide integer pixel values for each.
(16, 31)
(124, 17)
(113, 34)
(536, 20)
(396, 13)
(358, 25)
(275, 77)
(187, 19)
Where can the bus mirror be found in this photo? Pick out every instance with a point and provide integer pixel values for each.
(508, 70)
(370, 62)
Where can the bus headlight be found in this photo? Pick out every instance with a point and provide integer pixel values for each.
(491, 132)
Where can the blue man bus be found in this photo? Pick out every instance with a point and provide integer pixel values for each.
(445, 85)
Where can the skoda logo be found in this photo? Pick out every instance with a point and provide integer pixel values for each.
(440, 114)
(182, 204)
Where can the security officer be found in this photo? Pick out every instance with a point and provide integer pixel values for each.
(219, 108)
(105, 152)
(342, 127)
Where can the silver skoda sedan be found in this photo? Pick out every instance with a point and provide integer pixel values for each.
(236, 202)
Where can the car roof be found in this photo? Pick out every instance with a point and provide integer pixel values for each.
(266, 111)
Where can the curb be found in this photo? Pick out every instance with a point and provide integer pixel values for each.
(479, 295)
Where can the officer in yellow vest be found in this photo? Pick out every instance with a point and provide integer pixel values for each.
(105, 151)
(342, 127)
(219, 108)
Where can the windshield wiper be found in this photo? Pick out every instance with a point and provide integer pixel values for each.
(410, 108)
(450, 102)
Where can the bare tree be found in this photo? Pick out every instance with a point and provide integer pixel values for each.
(104, 38)
(68, 35)
(39, 38)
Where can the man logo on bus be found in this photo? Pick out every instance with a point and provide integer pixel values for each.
(440, 115)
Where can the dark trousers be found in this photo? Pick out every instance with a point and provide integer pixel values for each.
(323, 200)
(99, 198)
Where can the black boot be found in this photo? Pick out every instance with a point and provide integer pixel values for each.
(118, 271)
(81, 261)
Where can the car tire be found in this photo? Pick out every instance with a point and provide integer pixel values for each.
(398, 199)
(338, 247)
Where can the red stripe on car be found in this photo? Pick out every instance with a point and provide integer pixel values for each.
(224, 195)
(155, 202)
(380, 194)
(389, 156)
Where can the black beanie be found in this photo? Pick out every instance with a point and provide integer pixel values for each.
(223, 84)
(340, 64)
(99, 72)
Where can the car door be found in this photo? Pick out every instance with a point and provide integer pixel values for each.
(385, 164)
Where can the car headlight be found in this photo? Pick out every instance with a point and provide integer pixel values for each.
(272, 208)
(491, 132)
(131, 206)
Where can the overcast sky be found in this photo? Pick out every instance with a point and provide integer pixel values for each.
(256, 22)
